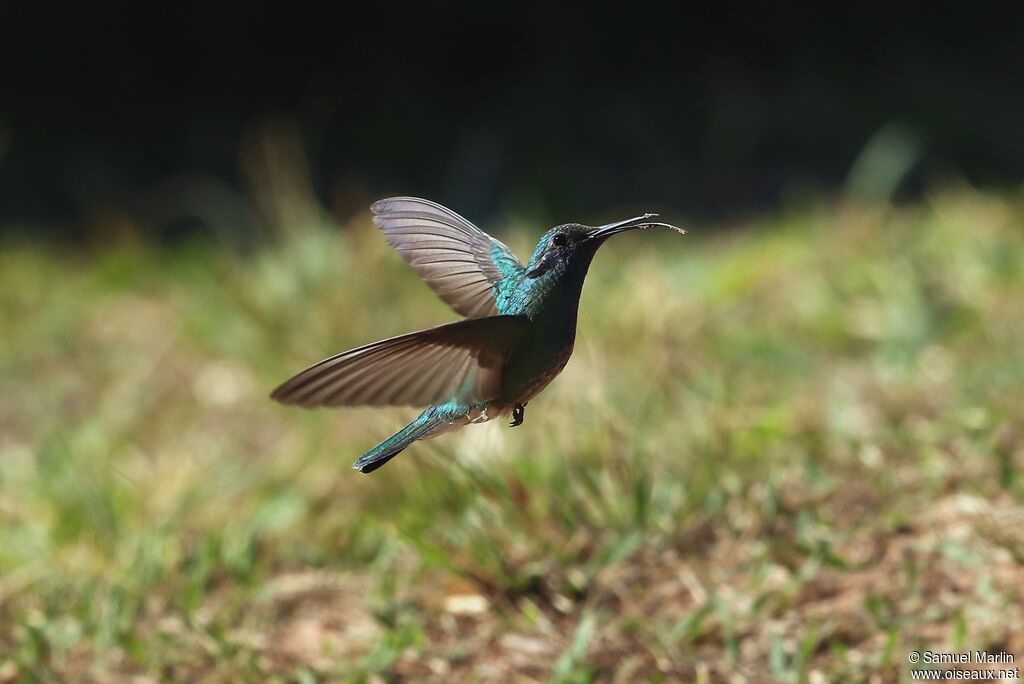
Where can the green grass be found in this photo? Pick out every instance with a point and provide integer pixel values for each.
(789, 452)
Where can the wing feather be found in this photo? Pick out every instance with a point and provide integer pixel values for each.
(453, 256)
(461, 361)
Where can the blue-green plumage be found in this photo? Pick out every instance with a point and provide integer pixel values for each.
(518, 336)
(426, 424)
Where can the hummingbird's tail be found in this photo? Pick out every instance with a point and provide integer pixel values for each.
(426, 424)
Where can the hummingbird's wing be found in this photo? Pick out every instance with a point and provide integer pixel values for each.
(460, 361)
(462, 263)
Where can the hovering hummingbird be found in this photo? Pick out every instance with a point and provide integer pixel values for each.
(518, 334)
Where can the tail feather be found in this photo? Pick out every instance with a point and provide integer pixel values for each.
(423, 426)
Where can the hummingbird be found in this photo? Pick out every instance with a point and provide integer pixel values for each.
(517, 335)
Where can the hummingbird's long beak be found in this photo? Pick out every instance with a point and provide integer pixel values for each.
(637, 222)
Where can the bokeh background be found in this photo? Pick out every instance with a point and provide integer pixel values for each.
(787, 447)
(714, 111)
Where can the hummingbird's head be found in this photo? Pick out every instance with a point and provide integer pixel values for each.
(570, 247)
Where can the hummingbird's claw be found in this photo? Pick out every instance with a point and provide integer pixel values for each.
(518, 413)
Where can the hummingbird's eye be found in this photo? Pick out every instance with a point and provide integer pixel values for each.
(559, 240)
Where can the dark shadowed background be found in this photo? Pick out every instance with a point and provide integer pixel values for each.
(135, 109)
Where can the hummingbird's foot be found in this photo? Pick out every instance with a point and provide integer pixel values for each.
(518, 413)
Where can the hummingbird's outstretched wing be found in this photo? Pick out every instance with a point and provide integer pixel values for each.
(461, 361)
(462, 263)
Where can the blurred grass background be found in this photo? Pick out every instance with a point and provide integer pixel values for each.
(787, 449)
